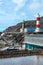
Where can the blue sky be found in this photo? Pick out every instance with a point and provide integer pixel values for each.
(15, 11)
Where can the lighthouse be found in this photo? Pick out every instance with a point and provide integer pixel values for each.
(22, 29)
(37, 23)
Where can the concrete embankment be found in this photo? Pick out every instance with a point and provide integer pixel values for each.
(19, 53)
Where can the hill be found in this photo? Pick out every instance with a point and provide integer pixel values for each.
(28, 24)
(18, 38)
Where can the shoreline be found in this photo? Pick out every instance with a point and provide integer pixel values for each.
(2, 57)
(20, 54)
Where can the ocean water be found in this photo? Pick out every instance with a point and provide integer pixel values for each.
(28, 60)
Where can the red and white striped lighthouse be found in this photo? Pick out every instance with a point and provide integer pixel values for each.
(37, 23)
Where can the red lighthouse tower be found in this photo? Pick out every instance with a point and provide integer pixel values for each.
(37, 23)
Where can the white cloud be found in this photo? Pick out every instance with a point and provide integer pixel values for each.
(19, 4)
(6, 16)
(23, 14)
(34, 6)
(17, 1)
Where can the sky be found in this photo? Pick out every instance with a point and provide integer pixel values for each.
(15, 11)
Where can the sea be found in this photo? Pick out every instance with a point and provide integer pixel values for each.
(28, 60)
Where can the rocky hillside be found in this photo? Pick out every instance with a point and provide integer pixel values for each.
(28, 24)
(20, 37)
